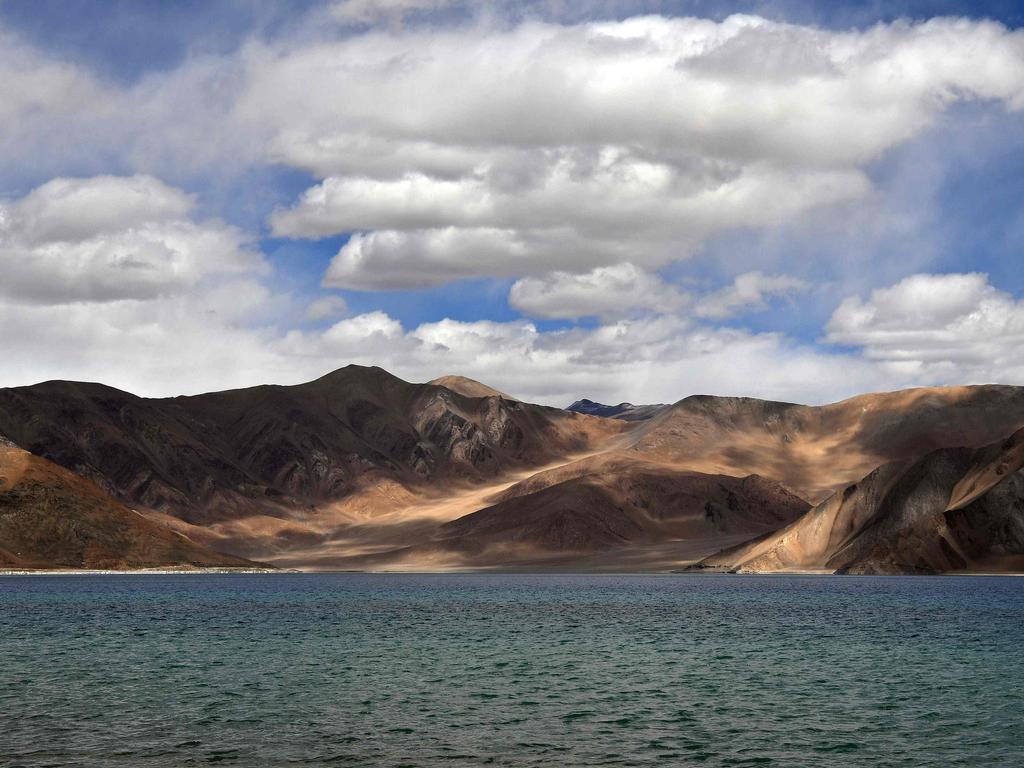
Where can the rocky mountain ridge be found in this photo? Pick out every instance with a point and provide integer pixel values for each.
(360, 469)
(228, 454)
(624, 411)
(953, 509)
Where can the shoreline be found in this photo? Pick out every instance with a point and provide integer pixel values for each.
(172, 571)
(136, 571)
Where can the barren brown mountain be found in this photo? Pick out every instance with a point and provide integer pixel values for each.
(610, 503)
(272, 449)
(624, 411)
(954, 509)
(50, 517)
(815, 450)
(360, 469)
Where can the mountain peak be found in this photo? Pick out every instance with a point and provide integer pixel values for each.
(468, 387)
(623, 411)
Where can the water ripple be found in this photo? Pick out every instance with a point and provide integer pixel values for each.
(366, 670)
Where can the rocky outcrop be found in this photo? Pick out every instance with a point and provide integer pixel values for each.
(469, 387)
(954, 509)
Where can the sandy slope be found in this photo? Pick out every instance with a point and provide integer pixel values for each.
(597, 510)
(469, 387)
(815, 450)
(954, 509)
(52, 518)
(398, 521)
(274, 450)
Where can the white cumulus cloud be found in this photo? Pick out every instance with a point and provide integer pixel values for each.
(577, 160)
(107, 238)
(33, 85)
(514, 151)
(607, 292)
(948, 327)
(750, 291)
(652, 359)
(325, 307)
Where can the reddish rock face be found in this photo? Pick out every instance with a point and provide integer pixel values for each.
(50, 517)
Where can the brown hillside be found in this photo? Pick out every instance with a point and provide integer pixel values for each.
(953, 509)
(814, 450)
(51, 518)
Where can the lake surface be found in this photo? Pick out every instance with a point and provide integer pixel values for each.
(511, 670)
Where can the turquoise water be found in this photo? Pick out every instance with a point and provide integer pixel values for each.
(392, 670)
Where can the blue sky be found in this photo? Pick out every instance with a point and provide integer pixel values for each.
(621, 200)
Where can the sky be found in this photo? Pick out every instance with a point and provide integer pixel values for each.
(637, 201)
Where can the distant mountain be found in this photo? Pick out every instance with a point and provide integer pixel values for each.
(816, 450)
(272, 449)
(953, 509)
(360, 469)
(50, 517)
(615, 501)
(624, 411)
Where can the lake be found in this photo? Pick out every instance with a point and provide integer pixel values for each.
(511, 670)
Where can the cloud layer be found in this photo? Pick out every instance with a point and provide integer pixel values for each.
(943, 327)
(606, 292)
(510, 152)
(219, 336)
(107, 238)
(580, 164)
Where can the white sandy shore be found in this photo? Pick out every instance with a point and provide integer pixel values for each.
(134, 571)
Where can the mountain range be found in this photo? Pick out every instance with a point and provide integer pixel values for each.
(624, 411)
(361, 470)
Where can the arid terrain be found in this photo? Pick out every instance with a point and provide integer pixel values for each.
(50, 517)
(361, 470)
(954, 509)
